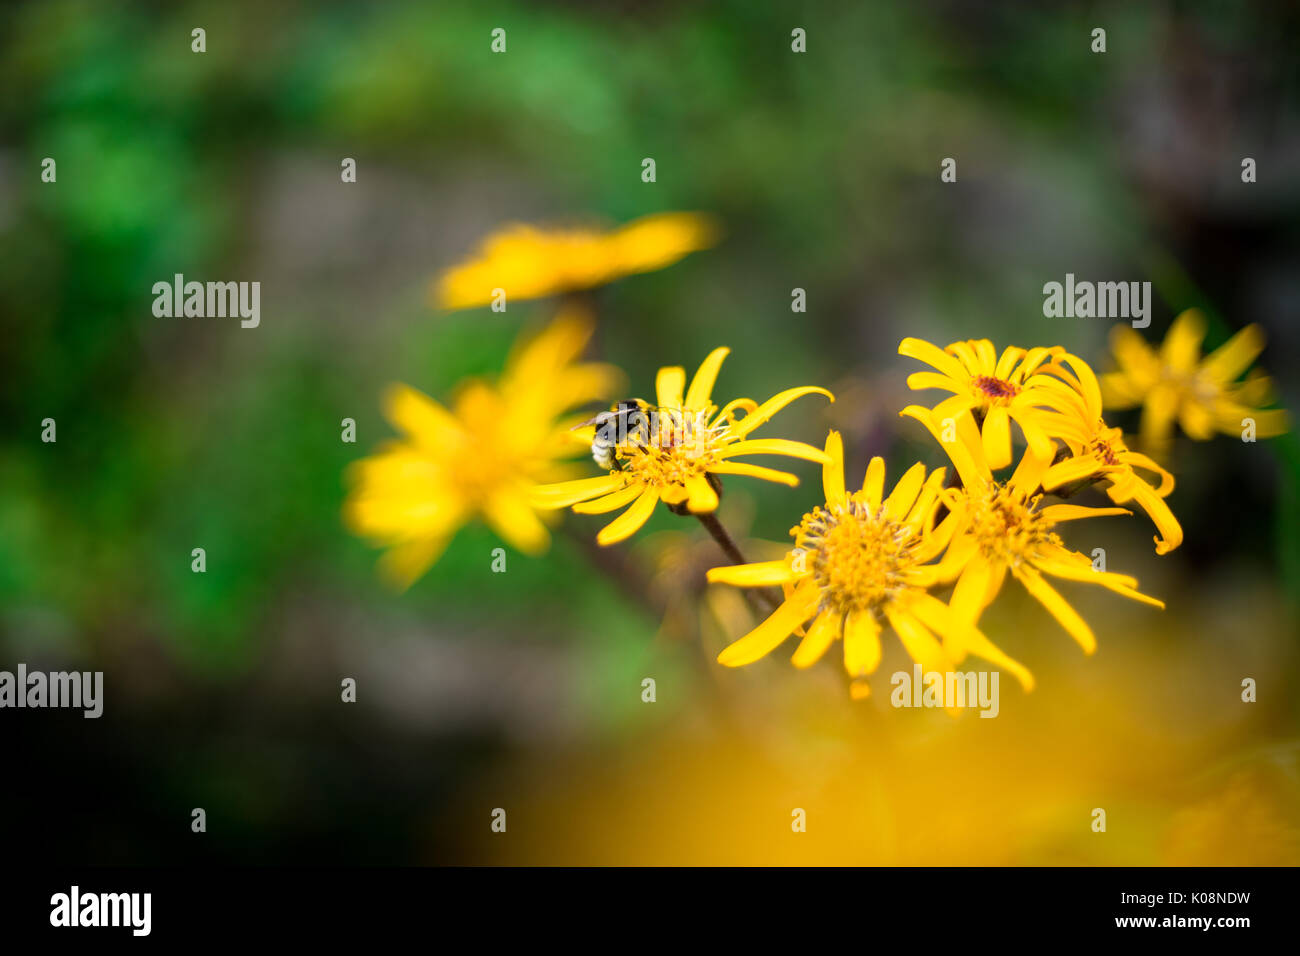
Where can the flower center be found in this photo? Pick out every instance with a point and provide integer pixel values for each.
(995, 389)
(477, 466)
(677, 445)
(856, 557)
(1006, 527)
(1199, 387)
(1107, 446)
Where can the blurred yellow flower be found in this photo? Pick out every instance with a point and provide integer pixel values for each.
(1001, 528)
(673, 451)
(1203, 394)
(861, 561)
(998, 389)
(479, 459)
(1100, 453)
(531, 263)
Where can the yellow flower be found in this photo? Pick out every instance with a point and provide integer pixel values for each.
(674, 453)
(1203, 394)
(481, 458)
(1001, 527)
(999, 389)
(1099, 453)
(531, 263)
(862, 561)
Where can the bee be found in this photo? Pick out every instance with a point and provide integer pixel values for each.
(627, 423)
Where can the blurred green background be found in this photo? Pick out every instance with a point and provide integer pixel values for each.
(479, 690)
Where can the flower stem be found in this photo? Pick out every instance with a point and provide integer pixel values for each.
(719, 533)
(1069, 491)
(729, 548)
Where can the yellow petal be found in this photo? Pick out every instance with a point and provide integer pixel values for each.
(1132, 352)
(761, 574)
(965, 635)
(861, 643)
(773, 405)
(919, 642)
(564, 493)
(768, 635)
(775, 446)
(510, 516)
(1060, 513)
(825, 628)
(631, 520)
(700, 496)
(668, 386)
(404, 563)
(1034, 424)
(701, 390)
(1087, 383)
(997, 437)
(1268, 422)
(904, 495)
(873, 487)
(558, 344)
(969, 360)
(971, 467)
(1182, 345)
(1255, 390)
(610, 502)
(582, 434)
(926, 502)
(923, 351)
(755, 471)
(1082, 570)
(1234, 356)
(970, 594)
(962, 549)
(833, 470)
(1119, 391)
(1047, 596)
(1029, 473)
(1135, 460)
(1169, 532)
(1158, 413)
(1196, 420)
(1071, 470)
(673, 494)
(953, 408)
(727, 414)
(428, 423)
(658, 240)
(922, 380)
(1010, 356)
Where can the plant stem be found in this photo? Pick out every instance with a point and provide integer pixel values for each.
(719, 533)
(1069, 491)
(728, 546)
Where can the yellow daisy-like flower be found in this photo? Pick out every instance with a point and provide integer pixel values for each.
(1001, 527)
(479, 459)
(1099, 452)
(674, 455)
(861, 561)
(1202, 394)
(999, 389)
(531, 263)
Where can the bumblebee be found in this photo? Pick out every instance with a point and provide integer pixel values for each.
(626, 424)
